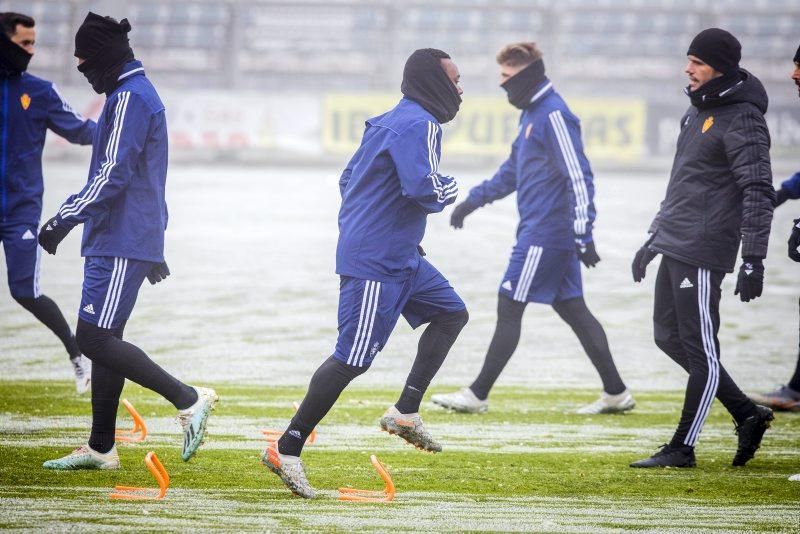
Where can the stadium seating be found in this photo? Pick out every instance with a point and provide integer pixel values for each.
(312, 44)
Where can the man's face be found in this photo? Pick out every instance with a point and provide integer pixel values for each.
(796, 76)
(24, 37)
(699, 73)
(451, 70)
(507, 71)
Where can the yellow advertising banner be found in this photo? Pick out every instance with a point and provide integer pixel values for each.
(612, 129)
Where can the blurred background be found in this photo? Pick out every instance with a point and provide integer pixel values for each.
(292, 81)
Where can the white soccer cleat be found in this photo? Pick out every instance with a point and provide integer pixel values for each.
(85, 458)
(194, 420)
(463, 401)
(795, 478)
(622, 402)
(83, 373)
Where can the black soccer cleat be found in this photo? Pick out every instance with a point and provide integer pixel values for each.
(669, 456)
(750, 432)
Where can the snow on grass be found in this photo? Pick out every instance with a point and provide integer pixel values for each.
(258, 510)
(469, 434)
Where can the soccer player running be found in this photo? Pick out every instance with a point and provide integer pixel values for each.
(32, 105)
(124, 214)
(719, 193)
(553, 180)
(787, 397)
(388, 189)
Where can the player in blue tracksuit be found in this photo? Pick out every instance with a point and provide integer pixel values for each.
(29, 106)
(124, 216)
(787, 397)
(389, 187)
(554, 185)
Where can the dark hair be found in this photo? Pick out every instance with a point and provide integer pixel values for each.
(438, 54)
(10, 20)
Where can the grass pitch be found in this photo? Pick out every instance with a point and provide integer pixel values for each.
(527, 465)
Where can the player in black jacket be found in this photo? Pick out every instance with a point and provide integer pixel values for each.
(720, 192)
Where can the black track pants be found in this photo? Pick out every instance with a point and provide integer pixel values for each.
(685, 324)
(44, 309)
(794, 383)
(507, 333)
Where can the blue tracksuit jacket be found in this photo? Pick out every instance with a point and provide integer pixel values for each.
(388, 189)
(550, 173)
(123, 206)
(28, 107)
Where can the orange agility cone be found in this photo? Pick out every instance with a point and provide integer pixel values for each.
(139, 430)
(271, 434)
(352, 494)
(132, 493)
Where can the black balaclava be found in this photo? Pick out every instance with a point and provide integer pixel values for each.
(103, 43)
(13, 58)
(426, 83)
(522, 86)
(722, 51)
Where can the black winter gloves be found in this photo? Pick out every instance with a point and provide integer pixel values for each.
(459, 213)
(158, 273)
(794, 241)
(588, 254)
(640, 261)
(51, 234)
(750, 282)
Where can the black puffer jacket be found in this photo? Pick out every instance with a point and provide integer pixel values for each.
(720, 190)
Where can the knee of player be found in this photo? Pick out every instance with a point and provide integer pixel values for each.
(339, 366)
(462, 317)
(91, 339)
(26, 301)
(453, 321)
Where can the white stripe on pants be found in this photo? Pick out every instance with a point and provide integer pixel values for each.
(710, 348)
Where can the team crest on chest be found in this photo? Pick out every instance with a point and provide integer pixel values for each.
(709, 122)
(25, 100)
(528, 130)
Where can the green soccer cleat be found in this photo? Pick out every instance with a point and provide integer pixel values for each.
(290, 469)
(410, 428)
(194, 420)
(85, 458)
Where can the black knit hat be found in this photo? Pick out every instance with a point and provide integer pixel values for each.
(717, 48)
(797, 55)
(96, 32)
